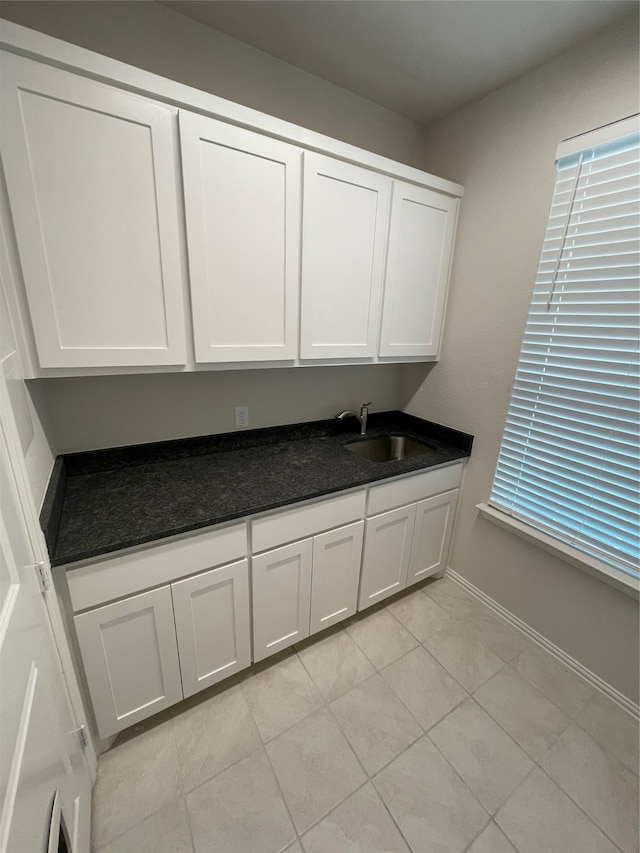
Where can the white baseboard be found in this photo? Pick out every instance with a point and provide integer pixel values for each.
(566, 660)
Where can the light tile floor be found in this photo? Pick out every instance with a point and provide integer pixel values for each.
(423, 725)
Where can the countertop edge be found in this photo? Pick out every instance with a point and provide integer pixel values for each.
(456, 447)
(156, 539)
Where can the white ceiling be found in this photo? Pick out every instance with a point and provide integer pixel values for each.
(420, 58)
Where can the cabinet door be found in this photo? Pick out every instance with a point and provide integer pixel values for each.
(337, 555)
(345, 220)
(387, 547)
(419, 257)
(281, 597)
(212, 625)
(130, 659)
(431, 536)
(242, 203)
(91, 174)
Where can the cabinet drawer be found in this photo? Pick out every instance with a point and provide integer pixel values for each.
(116, 577)
(412, 489)
(292, 524)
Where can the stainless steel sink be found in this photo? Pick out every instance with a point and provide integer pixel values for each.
(389, 448)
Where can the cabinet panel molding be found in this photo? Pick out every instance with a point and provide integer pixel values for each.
(337, 555)
(385, 560)
(281, 581)
(212, 625)
(92, 182)
(420, 245)
(345, 220)
(431, 536)
(130, 659)
(242, 205)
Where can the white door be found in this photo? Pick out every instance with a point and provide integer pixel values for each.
(431, 536)
(242, 203)
(130, 659)
(281, 597)
(91, 173)
(212, 625)
(418, 262)
(337, 555)
(40, 752)
(344, 219)
(385, 561)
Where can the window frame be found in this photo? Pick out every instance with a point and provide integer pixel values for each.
(532, 530)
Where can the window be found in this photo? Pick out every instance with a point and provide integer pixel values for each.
(568, 463)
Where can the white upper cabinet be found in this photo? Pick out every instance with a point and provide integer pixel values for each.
(345, 220)
(91, 175)
(289, 248)
(242, 203)
(418, 260)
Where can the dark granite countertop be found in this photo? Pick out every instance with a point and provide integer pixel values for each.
(106, 500)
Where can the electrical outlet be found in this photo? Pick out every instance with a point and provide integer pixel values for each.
(242, 417)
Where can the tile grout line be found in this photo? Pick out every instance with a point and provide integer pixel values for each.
(271, 767)
(476, 837)
(498, 723)
(343, 693)
(155, 811)
(536, 762)
(580, 808)
(369, 779)
(184, 793)
(325, 705)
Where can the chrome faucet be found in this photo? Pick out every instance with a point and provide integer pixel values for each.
(362, 417)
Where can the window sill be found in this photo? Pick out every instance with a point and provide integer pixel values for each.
(591, 565)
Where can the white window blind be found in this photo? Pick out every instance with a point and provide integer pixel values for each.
(568, 463)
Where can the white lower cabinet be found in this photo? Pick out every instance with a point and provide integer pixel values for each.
(212, 625)
(312, 583)
(386, 555)
(130, 659)
(431, 536)
(150, 649)
(281, 597)
(305, 587)
(336, 574)
(405, 545)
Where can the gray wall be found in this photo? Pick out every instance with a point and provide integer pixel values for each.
(163, 41)
(104, 411)
(502, 149)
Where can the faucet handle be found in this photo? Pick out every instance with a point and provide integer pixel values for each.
(366, 405)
